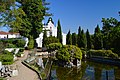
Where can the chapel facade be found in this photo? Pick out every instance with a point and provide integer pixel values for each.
(51, 31)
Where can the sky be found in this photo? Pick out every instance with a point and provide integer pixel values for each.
(84, 13)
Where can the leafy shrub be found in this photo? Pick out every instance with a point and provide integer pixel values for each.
(7, 52)
(9, 45)
(50, 40)
(2, 46)
(31, 44)
(19, 42)
(21, 49)
(69, 52)
(103, 53)
(6, 59)
(54, 46)
(12, 43)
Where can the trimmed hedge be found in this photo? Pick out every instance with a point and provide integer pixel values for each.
(102, 53)
(54, 46)
(13, 43)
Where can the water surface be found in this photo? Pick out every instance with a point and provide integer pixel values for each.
(88, 71)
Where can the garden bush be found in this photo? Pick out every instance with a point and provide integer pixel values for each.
(19, 42)
(50, 40)
(6, 59)
(10, 45)
(103, 53)
(21, 49)
(68, 53)
(31, 44)
(54, 46)
(7, 52)
(13, 43)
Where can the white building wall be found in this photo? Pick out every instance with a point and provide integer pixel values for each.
(50, 27)
(63, 39)
(39, 40)
(11, 36)
(3, 36)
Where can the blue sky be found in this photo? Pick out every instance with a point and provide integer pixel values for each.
(84, 13)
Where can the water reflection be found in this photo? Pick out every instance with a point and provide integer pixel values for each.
(88, 71)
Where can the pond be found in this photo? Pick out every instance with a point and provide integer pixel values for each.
(88, 71)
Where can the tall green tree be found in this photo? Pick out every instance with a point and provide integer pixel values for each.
(108, 25)
(114, 39)
(88, 38)
(59, 32)
(97, 38)
(44, 38)
(74, 39)
(78, 37)
(26, 17)
(82, 39)
(68, 38)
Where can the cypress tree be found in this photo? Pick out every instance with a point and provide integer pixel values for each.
(74, 39)
(78, 37)
(82, 39)
(97, 38)
(44, 38)
(68, 38)
(88, 38)
(59, 32)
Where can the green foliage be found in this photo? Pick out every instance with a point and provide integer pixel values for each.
(74, 39)
(21, 49)
(50, 40)
(108, 25)
(6, 58)
(9, 45)
(103, 53)
(19, 54)
(68, 38)
(13, 43)
(82, 40)
(44, 38)
(88, 38)
(68, 53)
(114, 39)
(2, 78)
(2, 47)
(111, 32)
(54, 46)
(78, 37)
(97, 38)
(19, 42)
(7, 52)
(59, 32)
(31, 43)
(24, 17)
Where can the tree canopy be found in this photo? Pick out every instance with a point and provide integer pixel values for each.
(24, 16)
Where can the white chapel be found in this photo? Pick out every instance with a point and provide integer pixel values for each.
(51, 31)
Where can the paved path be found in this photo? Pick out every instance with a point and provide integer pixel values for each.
(24, 73)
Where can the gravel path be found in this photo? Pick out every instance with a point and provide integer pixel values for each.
(24, 73)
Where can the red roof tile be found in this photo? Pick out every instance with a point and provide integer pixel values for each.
(3, 33)
(6, 33)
